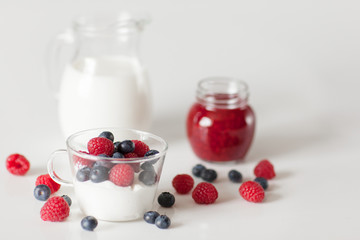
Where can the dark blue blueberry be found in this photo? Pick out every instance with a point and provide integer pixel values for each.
(151, 152)
(148, 177)
(235, 176)
(147, 166)
(162, 221)
(83, 174)
(150, 216)
(116, 146)
(208, 175)
(108, 135)
(262, 181)
(166, 199)
(89, 223)
(118, 155)
(99, 174)
(197, 170)
(67, 199)
(126, 146)
(42, 192)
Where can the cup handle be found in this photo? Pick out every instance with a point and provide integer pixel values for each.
(50, 167)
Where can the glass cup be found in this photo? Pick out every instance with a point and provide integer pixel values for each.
(106, 195)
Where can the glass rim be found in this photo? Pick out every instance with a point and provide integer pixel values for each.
(122, 22)
(84, 155)
(210, 89)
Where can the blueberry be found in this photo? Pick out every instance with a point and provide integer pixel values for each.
(235, 176)
(99, 174)
(208, 175)
(197, 170)
(108, 135)
(151, 152)
(166, 199)
(67, 199)
(162, 221)
(83, 174)
(89, 223)
(148, 177)
(262, 181)
(42, 192)
(126, 146)
(147, 166)
(116, 146)
(150, 216)
(118, 155)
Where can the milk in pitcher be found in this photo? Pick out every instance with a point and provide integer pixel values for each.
(104, 92)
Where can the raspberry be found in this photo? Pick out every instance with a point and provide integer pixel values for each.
(100, 145)
(122, 175)
(205, 193)
(47, 180)
(17, 164)
(183, 183)
(56, 209)
(80, 162)
(141, 148)
(264, 169)
(252, 191)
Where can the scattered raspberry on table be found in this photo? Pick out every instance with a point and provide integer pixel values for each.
(17, 164)
(205, 193)
(264, 169)
(56, 209)
(252, 191)
(48, 181)
(183, 183)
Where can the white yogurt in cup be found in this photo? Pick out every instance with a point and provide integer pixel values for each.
(105, 200)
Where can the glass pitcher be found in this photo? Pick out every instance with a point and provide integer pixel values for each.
(103, 83)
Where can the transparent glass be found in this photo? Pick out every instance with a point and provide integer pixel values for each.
(97, 74)
(106, 200)
(220, 124)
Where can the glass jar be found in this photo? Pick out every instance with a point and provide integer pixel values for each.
(221, 124)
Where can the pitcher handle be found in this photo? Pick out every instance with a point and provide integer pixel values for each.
(56, 58)
(50, 167)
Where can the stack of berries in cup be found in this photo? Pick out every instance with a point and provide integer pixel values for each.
(121, 174)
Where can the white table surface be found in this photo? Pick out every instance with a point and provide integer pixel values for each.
(301, 62)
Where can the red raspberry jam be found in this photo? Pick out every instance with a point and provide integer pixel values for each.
(220, 125)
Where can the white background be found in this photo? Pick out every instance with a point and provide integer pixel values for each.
(301, 61)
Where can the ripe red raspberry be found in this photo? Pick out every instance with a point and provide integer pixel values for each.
(80, 162)
(264, 169)
(140, 148)
(183, 183)
(122, 175)
(100, 145)
(17, 164)
(56, 209)
(205, 193)
(47, 180)
(252, 191)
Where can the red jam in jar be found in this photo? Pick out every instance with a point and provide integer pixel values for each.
(221, 125)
